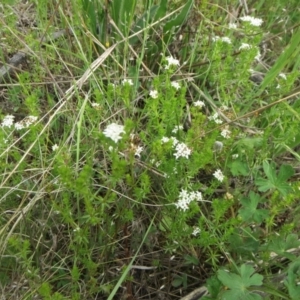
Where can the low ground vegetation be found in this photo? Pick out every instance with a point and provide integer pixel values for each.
(149, 149)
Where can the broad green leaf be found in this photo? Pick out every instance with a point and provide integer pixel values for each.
(238, 167)
(292, 241)
(250, 212)
(250, 143)
(270, 171)
(246, 272)
(273, 181)
(281, 245)
(285, 172)
(234, 295)
(243, 244)
(238, 284)
(232, 281)
(214, 286)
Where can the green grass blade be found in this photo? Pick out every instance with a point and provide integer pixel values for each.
(285, 58)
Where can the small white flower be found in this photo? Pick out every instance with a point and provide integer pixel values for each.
(278, 86)
(114, 131)
(219, 175)
(110, 148)
(232, 26)
(153, 94)
(226, 39)
(55, 147)
(185, 198)
(95, 105)
(245, 46)
(164, 139)
(226, 133)
(8, 121)
(179, 127)
(213, 117)
(175, 85)
(138, 151)
(283, 76)
(19, 126)
(182, 150)
(127, 81)
(174, 141)
(258, 56)
(155, 163)
(253, 21)
(197, 196)
(235, 156)
(29, 120)
(196, 231)
(199, 104)
(171, 62)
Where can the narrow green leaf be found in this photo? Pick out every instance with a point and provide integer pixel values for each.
(285, 172)
(285, 58)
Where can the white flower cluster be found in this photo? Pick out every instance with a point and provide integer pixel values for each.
(282, 75)
(127, 82)
(232, 26)
(219, 175)
(258, 56)
(182, 150)
(226, 133)
(185, 198)
(175, 85)
(171, 62)
(8, 121)
(138, 151)
(179, 127)
(253, 21)
(114, 131)
(153, 94)
(215, 118)
(199, 104)
(223, 39)
(244, 46)
(196, 231)
(96, 105)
